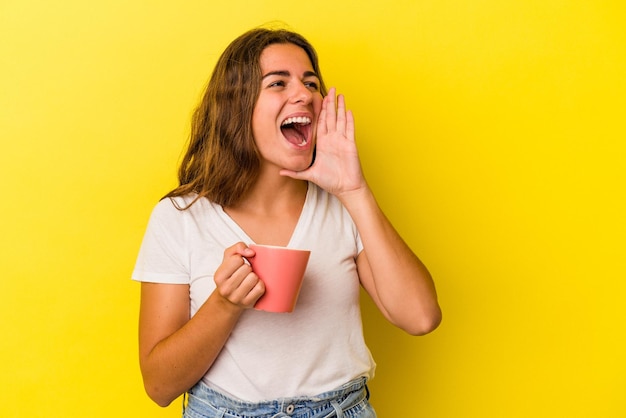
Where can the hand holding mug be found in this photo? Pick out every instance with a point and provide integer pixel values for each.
(235, 280)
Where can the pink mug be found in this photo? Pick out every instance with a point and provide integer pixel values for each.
(281, 269)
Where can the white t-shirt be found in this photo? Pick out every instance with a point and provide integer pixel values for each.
(316, 348)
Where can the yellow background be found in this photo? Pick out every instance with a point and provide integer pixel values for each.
(492, 132)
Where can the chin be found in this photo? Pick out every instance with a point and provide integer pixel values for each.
(299, 165)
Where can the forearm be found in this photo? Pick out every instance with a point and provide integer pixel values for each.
(179, 361)
(393, 275)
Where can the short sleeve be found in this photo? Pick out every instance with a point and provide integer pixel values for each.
(349, 221)
(163, 255)
(359, 243)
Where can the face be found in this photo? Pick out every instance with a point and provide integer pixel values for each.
(285, 114)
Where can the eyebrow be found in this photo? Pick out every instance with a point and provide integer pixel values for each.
(283, 73)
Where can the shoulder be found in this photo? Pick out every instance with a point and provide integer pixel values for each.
(328, 207)
(180, 206)
(324, 200)
(178, 213)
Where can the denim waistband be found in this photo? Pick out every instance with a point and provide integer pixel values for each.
(345, 400)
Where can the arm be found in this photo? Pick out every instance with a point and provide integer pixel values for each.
(390, 272)
(393, 276)
(175, 351)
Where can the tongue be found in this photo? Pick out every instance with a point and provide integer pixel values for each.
(293, 135)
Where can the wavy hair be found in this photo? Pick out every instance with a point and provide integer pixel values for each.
(222, 161)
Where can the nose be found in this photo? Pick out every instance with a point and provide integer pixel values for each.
(301, 94)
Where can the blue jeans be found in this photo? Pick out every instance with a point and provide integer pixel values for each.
(349, 401)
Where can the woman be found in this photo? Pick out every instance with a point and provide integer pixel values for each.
(271, 160)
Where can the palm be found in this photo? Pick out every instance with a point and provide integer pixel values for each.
(337, 168)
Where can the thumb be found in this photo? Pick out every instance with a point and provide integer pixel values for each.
(298, 175)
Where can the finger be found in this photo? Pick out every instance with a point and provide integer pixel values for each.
(298, 175)
(331, 110)
(350, 125)
(244, 287)
(322, 128)
(233, 259)
(230, 274)
(237, 287)
(238, 249)
(256, 290)
(341, 114)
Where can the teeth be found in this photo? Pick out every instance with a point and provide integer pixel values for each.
(301, 120)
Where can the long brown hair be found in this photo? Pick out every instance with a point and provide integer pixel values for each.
(222, 161)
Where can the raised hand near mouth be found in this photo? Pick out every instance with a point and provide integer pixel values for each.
(337, 168)
(390, 272)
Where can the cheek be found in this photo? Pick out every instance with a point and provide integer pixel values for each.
(317, 104)
(258, 123)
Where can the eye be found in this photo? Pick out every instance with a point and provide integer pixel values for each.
(312, 85)
(277, 83)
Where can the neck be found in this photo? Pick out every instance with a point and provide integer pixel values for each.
(273, 194)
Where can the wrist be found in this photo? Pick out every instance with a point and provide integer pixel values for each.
(356, 197)
(222, 304)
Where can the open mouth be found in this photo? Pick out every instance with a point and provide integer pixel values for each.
(297, 130)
